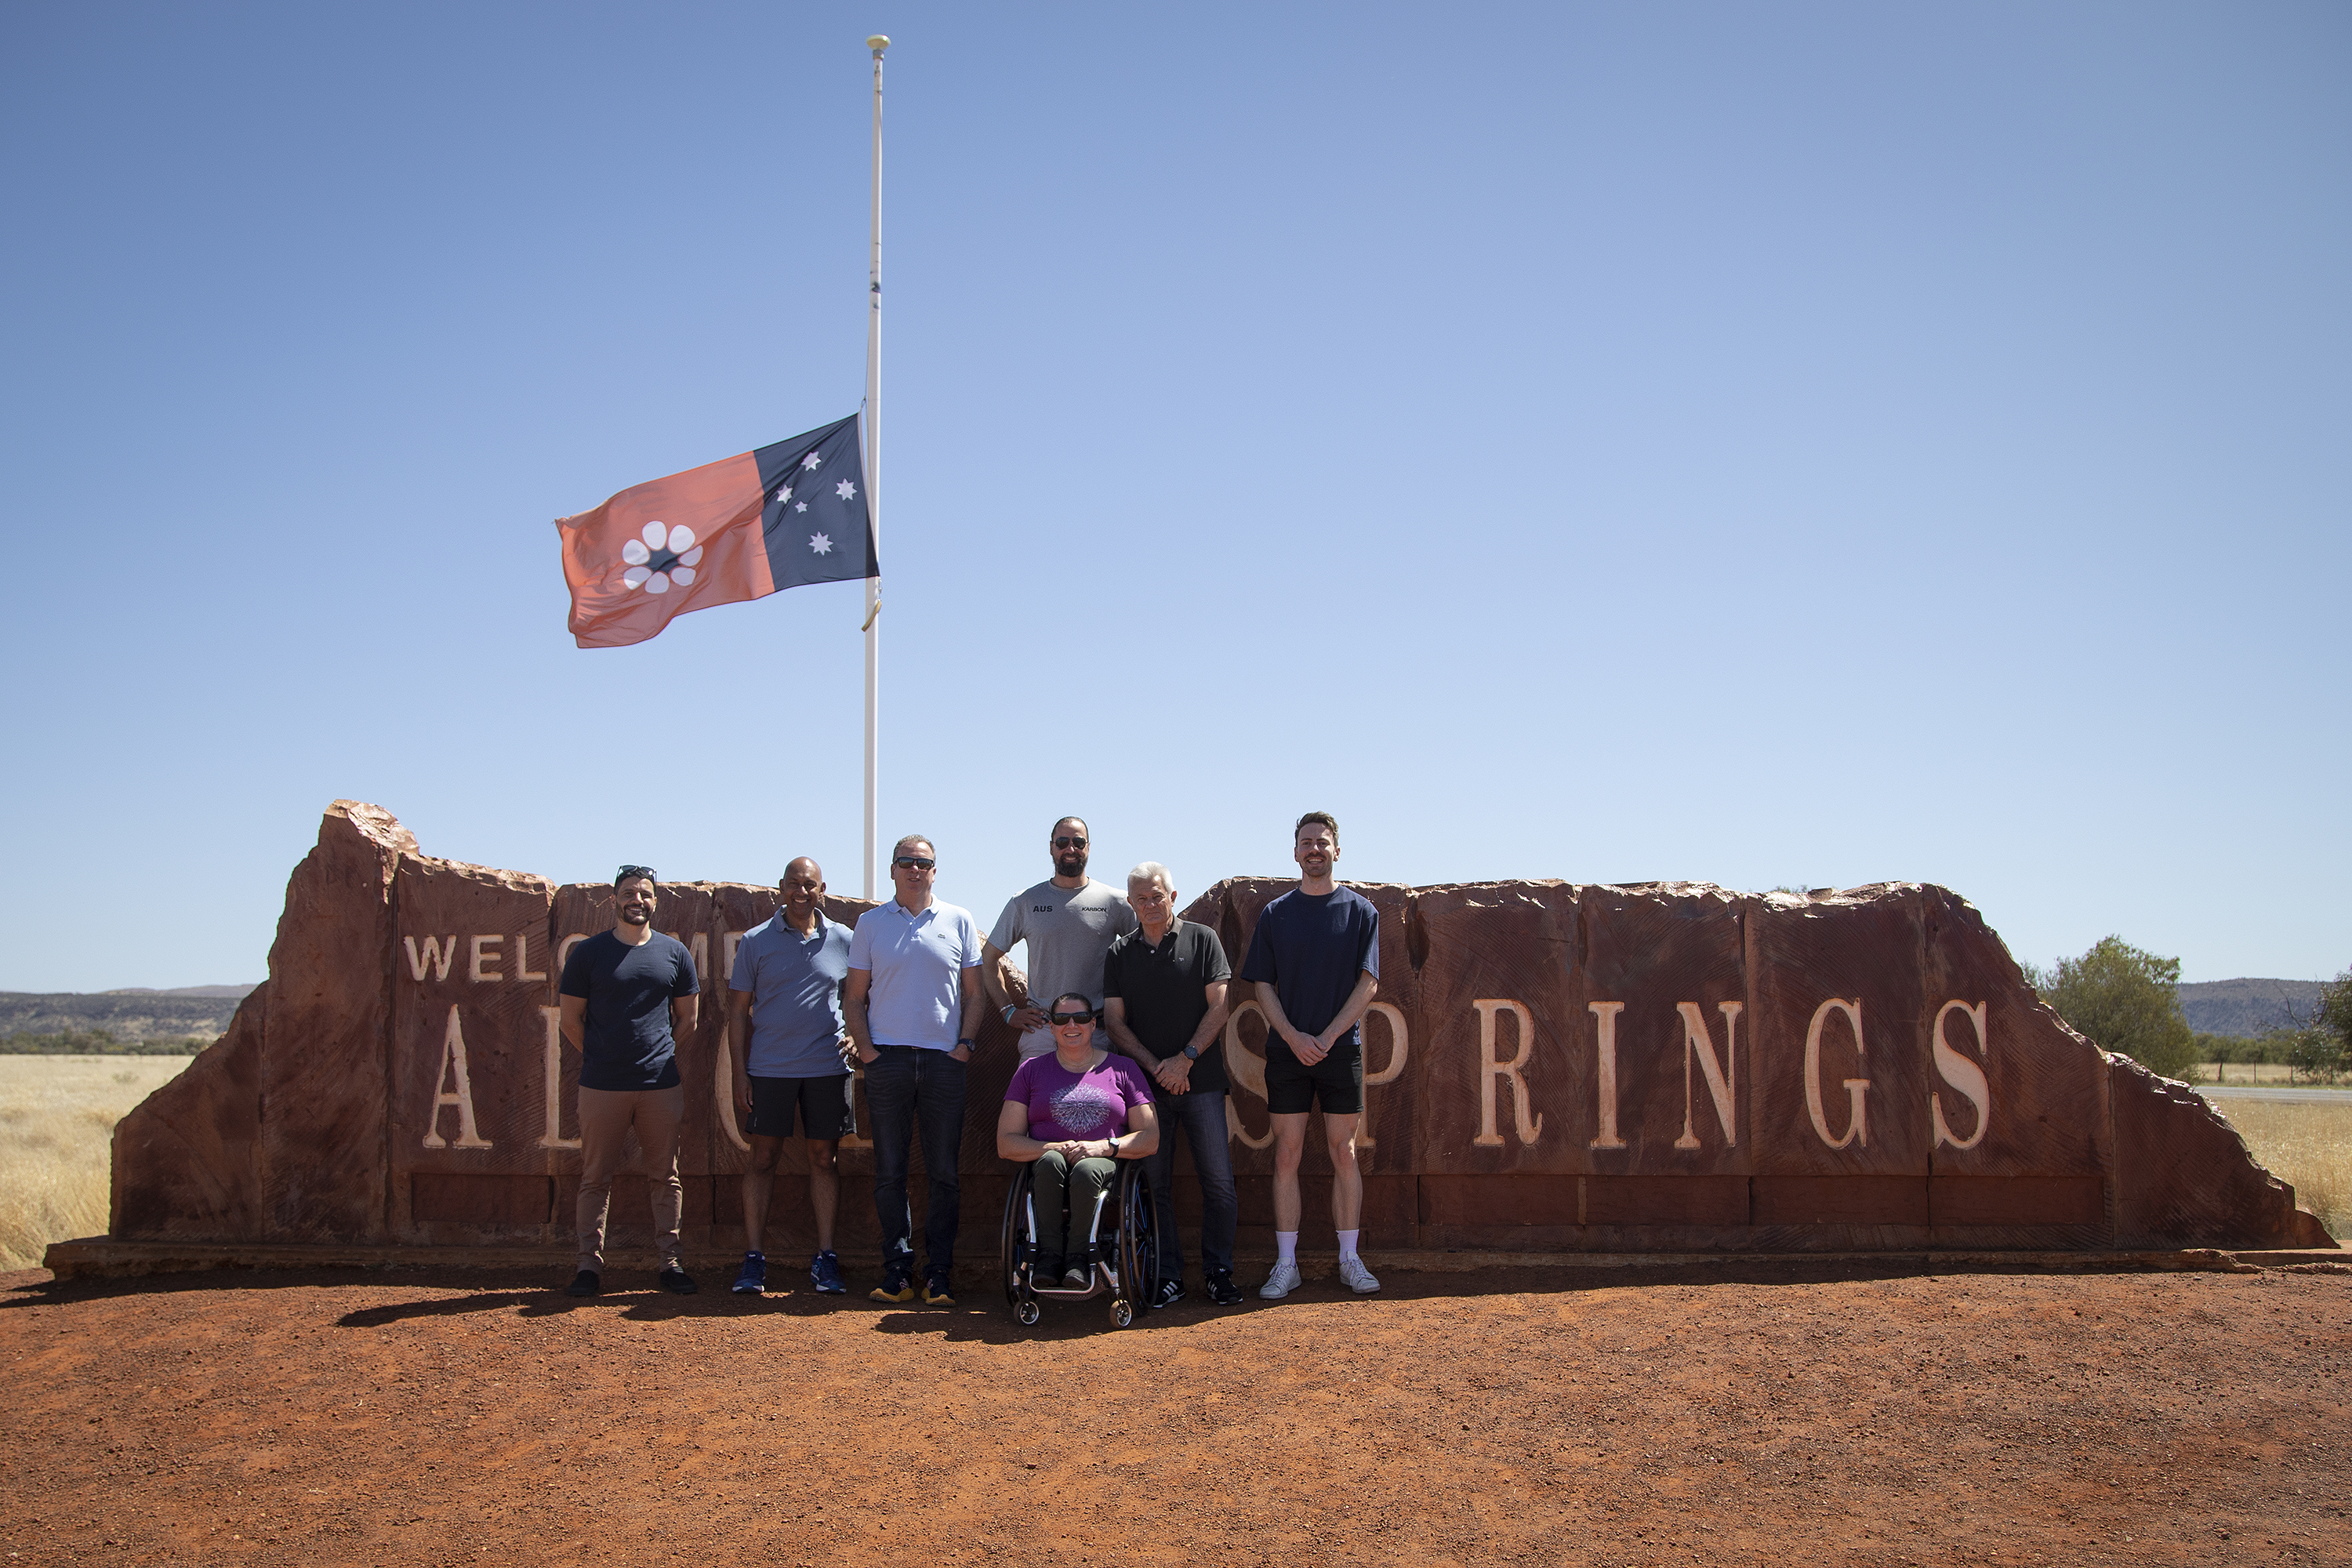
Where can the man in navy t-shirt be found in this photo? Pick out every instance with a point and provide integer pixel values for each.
(1315, 959)
(626, 994)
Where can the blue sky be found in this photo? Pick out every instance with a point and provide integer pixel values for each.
(1813, 443)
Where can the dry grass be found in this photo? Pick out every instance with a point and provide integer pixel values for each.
(56, 1124)
(2276, 1075)
(2309, 1146)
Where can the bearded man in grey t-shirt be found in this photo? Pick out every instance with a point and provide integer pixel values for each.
(1069, 923)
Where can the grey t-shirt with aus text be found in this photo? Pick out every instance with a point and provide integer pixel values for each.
(1069, 931)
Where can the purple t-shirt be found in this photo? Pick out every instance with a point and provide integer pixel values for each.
(1084, 1106)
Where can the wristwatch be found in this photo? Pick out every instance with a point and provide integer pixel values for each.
(1192, 1053)
(974, 1044)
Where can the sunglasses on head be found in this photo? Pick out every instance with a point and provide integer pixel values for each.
(914, 862)
(1078, 1017)
(1067, 842)
(628, 871)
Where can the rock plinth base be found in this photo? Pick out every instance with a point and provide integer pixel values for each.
(1666, 1069)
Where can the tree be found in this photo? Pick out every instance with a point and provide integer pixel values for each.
(2315, 1053)
(2320, 1046)
(2334, 1012)
(2221, 1050)
(2124, 1000)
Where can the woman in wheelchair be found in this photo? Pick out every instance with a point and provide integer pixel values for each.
(1075, 1114)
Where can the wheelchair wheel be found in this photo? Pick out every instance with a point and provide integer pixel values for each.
(1027, 1313)
(1014, 1247)
(1139, 1247)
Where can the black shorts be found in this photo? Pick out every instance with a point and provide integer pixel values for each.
(1335, 1086)
(828, 1107)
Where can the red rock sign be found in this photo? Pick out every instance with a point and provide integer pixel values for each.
(1551, 1067)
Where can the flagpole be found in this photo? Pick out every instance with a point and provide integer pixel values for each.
(877, 43)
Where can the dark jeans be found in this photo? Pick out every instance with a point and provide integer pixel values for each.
(1201, 1118)
(906, 1088)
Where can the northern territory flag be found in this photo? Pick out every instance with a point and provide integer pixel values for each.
(775, 517)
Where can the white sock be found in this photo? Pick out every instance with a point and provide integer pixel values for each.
(1285, 1247)
(1348, 1242)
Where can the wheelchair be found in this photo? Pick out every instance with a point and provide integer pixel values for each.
(1122, 1235)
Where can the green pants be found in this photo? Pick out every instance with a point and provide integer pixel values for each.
(1062, 1230)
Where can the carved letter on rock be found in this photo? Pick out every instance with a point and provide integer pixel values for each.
(722, 1082)
(1963, 1075)
(1399, 1042)
(1605, 1014)
(1247, 1072)
(453, 1064)
(850, 1140)
(1722, 1078)
(553, 1137)
(477, 953)
(438, 951)
(523, 970)
(1489, 1070)
(1857, 1122)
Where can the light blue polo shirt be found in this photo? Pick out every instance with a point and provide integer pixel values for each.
(796, 986)
(917, 963)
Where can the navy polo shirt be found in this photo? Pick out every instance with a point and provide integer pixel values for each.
(795, 982)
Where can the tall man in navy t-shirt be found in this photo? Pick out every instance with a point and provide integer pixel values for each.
(783, 1007)
(1315, 959)
(626, 994)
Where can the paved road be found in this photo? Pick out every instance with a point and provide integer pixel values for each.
(2275, 1095)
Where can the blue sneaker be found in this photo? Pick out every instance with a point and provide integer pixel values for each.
(753, 1281)
(824, 1272)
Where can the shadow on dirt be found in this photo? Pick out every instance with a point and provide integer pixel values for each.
(983, 1315)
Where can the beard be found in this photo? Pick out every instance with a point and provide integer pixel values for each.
(1070, 865)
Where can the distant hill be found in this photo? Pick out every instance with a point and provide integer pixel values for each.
(2245, 1007)
(203, 1010)
(234, 993)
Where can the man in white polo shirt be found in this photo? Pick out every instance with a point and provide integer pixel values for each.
(1069, 923)
(913, 1008)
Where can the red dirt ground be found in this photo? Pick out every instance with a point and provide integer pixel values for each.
(1762, 1412)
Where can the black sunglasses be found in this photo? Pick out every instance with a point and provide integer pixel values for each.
(914, 862)
(1061, 1018)
(628, 871)
(1067, 842)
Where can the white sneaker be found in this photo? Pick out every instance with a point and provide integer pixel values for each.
(1359, 1278)
(1280, 1283)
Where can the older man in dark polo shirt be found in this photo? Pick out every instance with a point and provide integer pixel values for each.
(1164, 1004)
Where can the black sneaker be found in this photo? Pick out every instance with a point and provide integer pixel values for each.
(1224, 1291)
(895, 1287)
(1170, 1291)
(676, 1282)
(584, 1283)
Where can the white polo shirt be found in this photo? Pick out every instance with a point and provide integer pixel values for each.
(917, 963)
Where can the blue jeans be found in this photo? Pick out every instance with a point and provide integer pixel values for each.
(1202, 1116)
(909, 1088)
